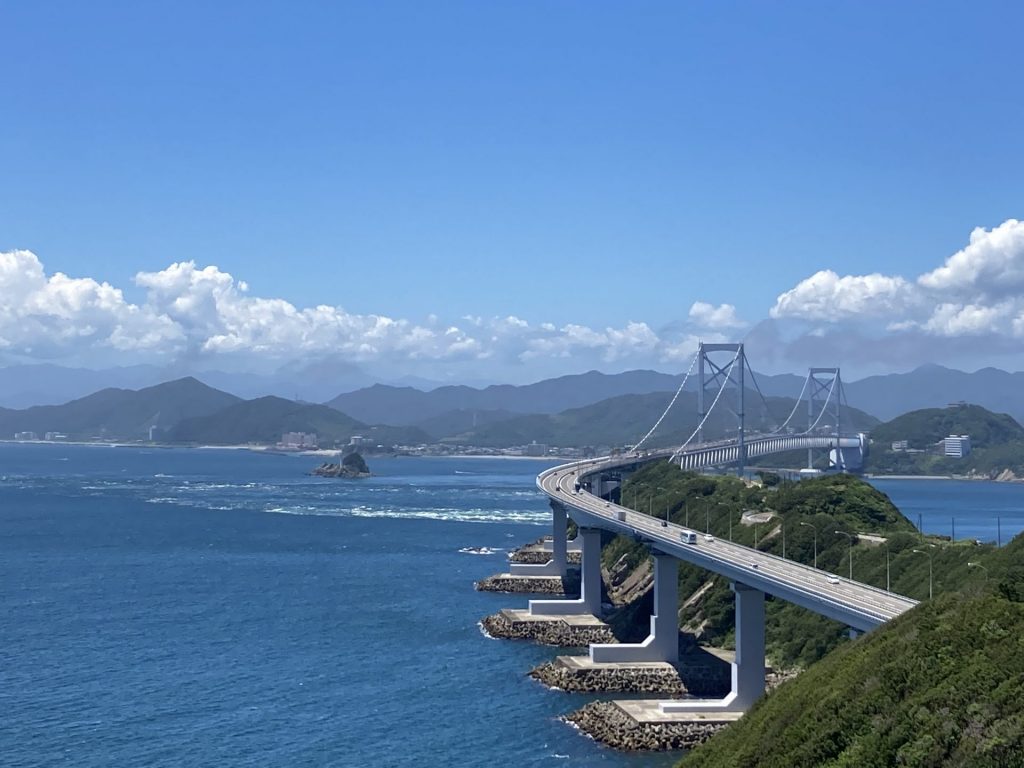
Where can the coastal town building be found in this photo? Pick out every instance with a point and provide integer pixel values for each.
(299, 440)
(957, 446)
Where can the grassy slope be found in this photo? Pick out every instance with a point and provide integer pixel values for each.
(940, 686)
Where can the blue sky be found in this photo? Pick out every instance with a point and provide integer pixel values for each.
(578, 164)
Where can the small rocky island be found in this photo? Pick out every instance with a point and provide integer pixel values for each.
(353, 465)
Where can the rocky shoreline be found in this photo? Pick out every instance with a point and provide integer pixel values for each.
(605, 722)
(555, 631)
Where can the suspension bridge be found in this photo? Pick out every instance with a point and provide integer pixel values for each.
(587, 491)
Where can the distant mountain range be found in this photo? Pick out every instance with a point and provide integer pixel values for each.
(188, 411)
(120, 413)
(22, 386)
(585, 409)
(933, 386)
(626, 418)
(264, 420)
(406, 405)
(884, 397)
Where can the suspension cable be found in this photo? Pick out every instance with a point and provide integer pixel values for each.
(824, 406)
(728, 375)
(671, 403)
(757, 387)
(799, 399)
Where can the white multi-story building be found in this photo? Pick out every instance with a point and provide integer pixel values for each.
(957, 446)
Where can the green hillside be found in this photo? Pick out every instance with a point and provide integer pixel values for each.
(997, 441)
(120, 413)
(265, 419)
(459, 421)
(624, 419)
(924, 428)
(940, 686)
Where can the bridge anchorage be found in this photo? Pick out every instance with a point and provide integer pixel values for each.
(585, 491)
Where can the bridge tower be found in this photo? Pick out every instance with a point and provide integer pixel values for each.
(824, 398)
(719, 378)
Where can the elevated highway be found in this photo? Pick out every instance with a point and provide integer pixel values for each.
(860, 606)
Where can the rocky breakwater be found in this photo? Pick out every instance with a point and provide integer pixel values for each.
(576, 675)
(609, 724)
(539, 552)
(569, 586)
(562, 631)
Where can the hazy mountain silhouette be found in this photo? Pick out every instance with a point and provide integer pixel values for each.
(120, 413)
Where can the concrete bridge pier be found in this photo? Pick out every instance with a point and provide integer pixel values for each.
(556, 566)
(662, 644)
(589, 601)
(748, 669)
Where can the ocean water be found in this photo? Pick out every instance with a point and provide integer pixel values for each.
(966, 509)
(213, 607)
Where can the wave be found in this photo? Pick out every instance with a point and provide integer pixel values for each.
(480, 550)
(442, 514)
(179, 502)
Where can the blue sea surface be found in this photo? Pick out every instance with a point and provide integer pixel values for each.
(961, 509)
(214, 607)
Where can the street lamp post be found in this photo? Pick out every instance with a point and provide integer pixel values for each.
(850, 537)
(979, 565)
(930, 579)
(707, 517)
(815, 542)
(887, 567)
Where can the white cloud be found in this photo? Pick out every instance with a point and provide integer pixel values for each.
(204, 312)
(991, 266)
(977, 292)
(951, 319)
(44, 316)
(827, 296)
(709, 316)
